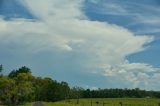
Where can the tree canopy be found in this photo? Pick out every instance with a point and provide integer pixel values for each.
(23, 69)
(21, 86)
(1, 68)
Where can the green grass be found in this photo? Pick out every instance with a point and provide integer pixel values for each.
(100, 101)
(27, 104)
(58, 104)
(116, 102)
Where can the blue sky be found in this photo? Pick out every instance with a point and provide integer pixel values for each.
(88, 43)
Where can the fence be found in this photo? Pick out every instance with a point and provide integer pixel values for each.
(97, 103)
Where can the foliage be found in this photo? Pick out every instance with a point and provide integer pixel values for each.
(21, 86)
(23, 69)
(15, 91)
(6, 90)
(50, 90)
(120, 93)
(1, 68)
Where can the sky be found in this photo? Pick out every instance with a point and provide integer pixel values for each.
(87, 43)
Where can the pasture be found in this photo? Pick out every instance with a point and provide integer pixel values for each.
(116, 102)
(106, 102)
(103, 102)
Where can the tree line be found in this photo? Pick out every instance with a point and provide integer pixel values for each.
(120, 93)
(21, 86)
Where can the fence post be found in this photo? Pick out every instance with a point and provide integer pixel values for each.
(103, 103)
(91, 102)
(121, 104)
(77, 100)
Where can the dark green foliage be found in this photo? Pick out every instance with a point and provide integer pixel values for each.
(50, 90)
(120, 93)
(76, 93)
(15, 91)
(23, 69)
(21, 86)
(6, 85)
(1, 68)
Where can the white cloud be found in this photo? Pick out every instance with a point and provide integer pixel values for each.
(63, 27)
(57, 9)
(138, 74)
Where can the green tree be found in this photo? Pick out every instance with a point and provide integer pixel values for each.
(24, 90)
(66, 89)
(76, 93)
(50, 90)
(1, 68)
(44, 89)
(23, 69)
(17, 90)
(6, 90)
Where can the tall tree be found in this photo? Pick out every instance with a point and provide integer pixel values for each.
(23, 69)
(1, 68)
(6, 86)
(17, 90)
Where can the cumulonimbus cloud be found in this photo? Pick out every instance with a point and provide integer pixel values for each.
(61, 26)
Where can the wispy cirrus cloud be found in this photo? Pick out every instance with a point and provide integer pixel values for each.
(137, 13)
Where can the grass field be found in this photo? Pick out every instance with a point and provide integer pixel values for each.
(104, 102)
(59, 104)
(117, 102)
(108, 102)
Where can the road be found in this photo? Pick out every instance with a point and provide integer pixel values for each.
(38, 103)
